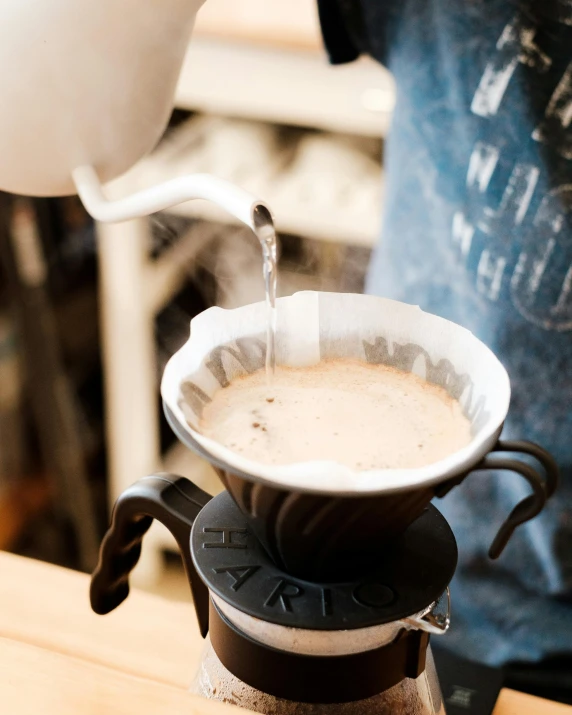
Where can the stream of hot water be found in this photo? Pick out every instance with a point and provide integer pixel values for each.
(266, 234)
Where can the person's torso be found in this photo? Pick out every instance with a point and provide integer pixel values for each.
(478, 228)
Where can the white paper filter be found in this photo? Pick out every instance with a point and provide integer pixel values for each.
(313, 326)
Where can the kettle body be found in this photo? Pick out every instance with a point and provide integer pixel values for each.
(85, 82)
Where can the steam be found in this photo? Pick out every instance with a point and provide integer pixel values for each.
(227, 271)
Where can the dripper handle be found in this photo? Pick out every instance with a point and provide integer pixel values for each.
(172, 500)
(541, 455)
(542, 489)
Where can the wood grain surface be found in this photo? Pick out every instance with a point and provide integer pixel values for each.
(35, 681)
(58, 658)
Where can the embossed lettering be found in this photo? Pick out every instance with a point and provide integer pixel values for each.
(226, 542)
(283, 593)
(239, 574)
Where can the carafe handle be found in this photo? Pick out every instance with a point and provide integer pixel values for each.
(172, 500)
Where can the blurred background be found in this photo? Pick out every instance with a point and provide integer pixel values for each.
(90, 314)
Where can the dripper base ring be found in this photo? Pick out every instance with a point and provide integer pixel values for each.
(407, 576)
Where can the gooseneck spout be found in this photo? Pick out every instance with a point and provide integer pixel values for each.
(239, 203)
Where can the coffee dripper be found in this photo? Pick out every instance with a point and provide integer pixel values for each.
(318, 588)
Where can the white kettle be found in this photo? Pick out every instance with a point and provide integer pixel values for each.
(86, 90)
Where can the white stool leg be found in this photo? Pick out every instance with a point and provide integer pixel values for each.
(132, 420)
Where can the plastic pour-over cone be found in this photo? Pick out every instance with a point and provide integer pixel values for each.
(320, 517)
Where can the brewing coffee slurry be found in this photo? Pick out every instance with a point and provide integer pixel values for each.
(361, 415)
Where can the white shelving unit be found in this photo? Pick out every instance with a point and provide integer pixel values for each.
(230, 78)
(286, 86)
(302, 194)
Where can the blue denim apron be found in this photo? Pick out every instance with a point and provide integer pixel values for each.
(478, 228)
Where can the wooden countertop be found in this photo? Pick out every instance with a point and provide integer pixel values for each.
(58, 658)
